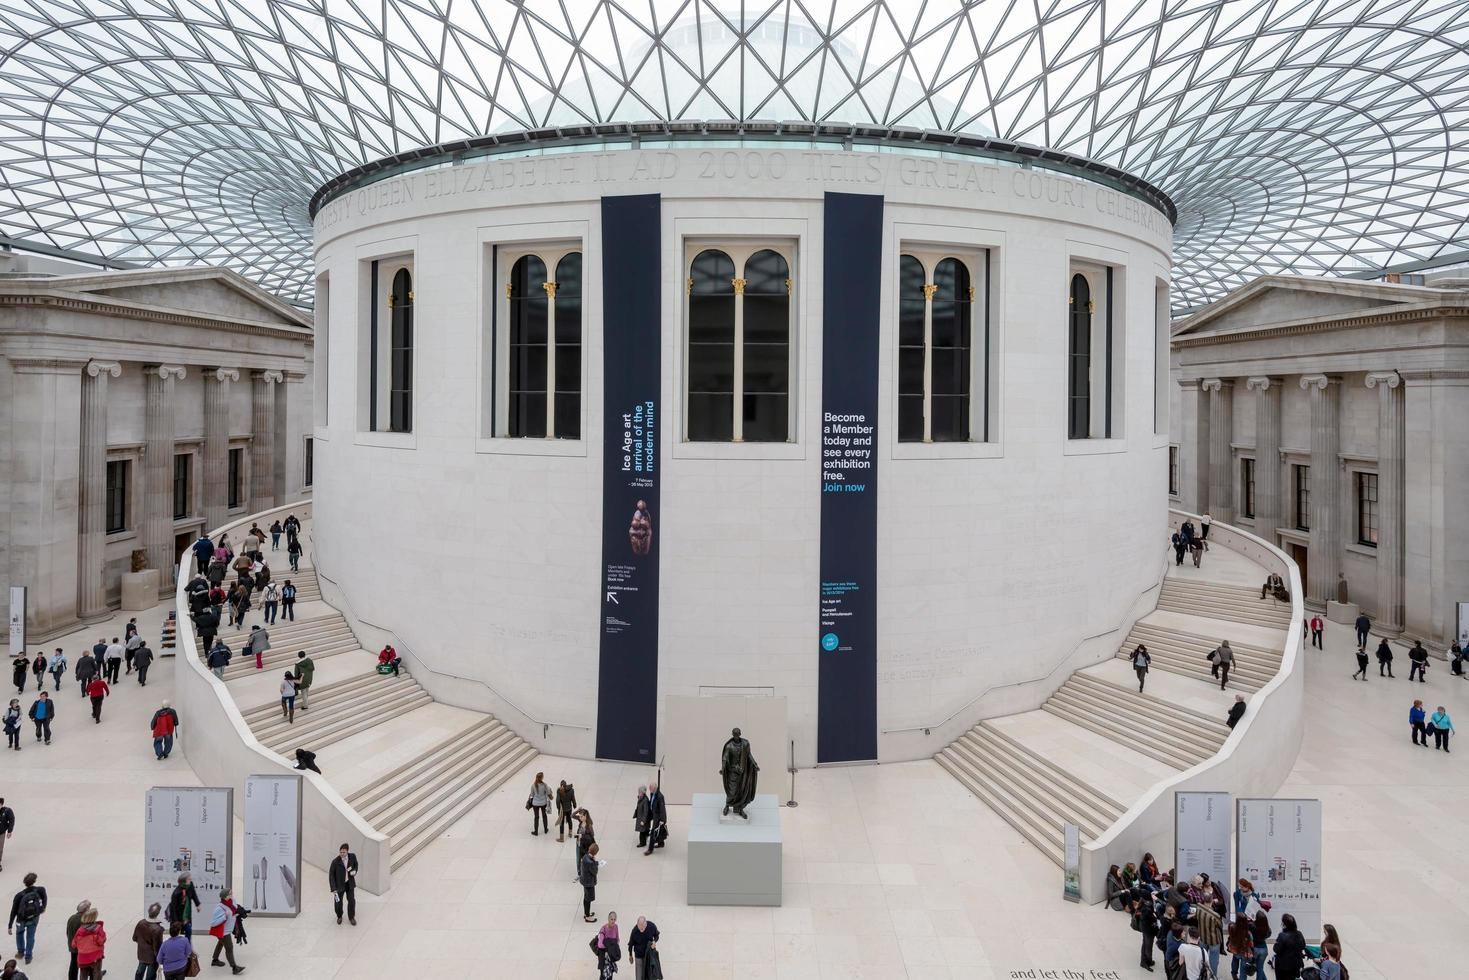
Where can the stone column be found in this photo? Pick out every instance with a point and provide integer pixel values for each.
(1221, 454)
(286, 449)
(92, 491)
(217, 445)
(1391, 519)
(1325, 554)
(262, 444)
(1267, 455)
(158, 432)
(1193, 447)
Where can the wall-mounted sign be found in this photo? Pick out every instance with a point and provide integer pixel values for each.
(273, 845)
(187, 829)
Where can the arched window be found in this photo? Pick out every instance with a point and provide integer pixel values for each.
(542, 347)
(711, 348)
(1079, 360)
(529, 315)
(936, 351)
(766, 348)
(400, 354)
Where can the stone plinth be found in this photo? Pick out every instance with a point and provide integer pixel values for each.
(734, 861)
(1342, 612)
(140, 589)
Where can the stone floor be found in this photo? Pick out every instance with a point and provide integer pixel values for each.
(891, 871)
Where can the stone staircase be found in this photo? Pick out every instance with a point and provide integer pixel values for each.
(336, 712)
(423, 797)
(325, 636)
(1037, 791)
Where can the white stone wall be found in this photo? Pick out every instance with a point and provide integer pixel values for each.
(994, 560)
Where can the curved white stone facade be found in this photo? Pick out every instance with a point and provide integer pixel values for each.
(996, 559)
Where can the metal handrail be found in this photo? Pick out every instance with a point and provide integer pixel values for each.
(928, 729)
(546, 726)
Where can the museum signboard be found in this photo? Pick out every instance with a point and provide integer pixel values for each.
(187, 829)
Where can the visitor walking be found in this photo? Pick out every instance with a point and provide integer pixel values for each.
(537, 803)
(38, 667)
(1141, 661)
(657, 818)
(115, 653)
(20, 666)
(219, 658)
(182, 904)
(12, 725)
(97, 690)
(588, 879)
(1364, 625)
(26, 909)
(305, 673)
(640, 816)
(1418, 661)
(7, 828)
(640, 942)
(258, 643)
(43, 709)
(164, 724)
(86, 670)
(148, 935)
(288, 698)
(57, 667)
(1384, 659)
(90, 943)
(1223, 659)
(1442, 727)
(288, 601)
(271, 597)
(176, 953)
(565, 808)
(142, 660)
(607, 946)
(293, 551)
(1205, 520)
(130, 650)
(275, 535)
(342, 877)
(1361, 664)
(1317, 628)
(1236, 711)
(222, 928)
(1180, 545)
(1417, 719)
(1196, 550)
(206, 623)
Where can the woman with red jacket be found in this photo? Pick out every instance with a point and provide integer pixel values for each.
(222, 928)
(90, 943)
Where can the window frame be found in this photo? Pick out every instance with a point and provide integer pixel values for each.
(1105, 273)
(237, 477)
(1368, 512)
(550, 253)
(740, 249)
(1247, 486)
(308, 461)
(117, 496)
(187, 458)
(1301, 486)
(1175, 474)
(376, 266)
(978, 261)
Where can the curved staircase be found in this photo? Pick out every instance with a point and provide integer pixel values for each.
(1097, 744)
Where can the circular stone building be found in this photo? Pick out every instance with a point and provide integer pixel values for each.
(873, 421)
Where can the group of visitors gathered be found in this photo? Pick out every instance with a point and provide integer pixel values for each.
(210, 596)
(650, 820)
(1193, 924)
(1421, 724)
(1189, 540)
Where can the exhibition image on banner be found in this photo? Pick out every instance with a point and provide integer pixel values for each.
(1201, 829)
(187, 829)
(1280, 854)
(273, 844)
(1071, 871)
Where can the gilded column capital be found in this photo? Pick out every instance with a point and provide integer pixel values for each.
(739, 286)
(929, 289)
(1390, 378)
(1318, 381)
(1261, 383)
(95, 368)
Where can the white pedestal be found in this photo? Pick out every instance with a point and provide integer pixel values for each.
(734, 861)
(140, 589)
(1342, 612)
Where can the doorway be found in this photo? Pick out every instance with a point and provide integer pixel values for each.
(1298, 555)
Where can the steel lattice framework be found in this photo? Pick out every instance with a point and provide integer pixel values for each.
(1307, 136)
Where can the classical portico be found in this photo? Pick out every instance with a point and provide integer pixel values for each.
(1327, 416)
(123, 421)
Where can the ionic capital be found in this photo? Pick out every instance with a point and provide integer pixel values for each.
(1217, 384)
(166, 371)
(268, 377)
(1261, 383)
(95, 368)
(1390, 378)
(224, 374)
(1318, 381)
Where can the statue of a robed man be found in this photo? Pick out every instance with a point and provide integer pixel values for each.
(739, 770)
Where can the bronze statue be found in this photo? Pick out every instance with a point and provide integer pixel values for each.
(739, 770)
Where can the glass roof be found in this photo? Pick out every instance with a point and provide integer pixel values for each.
(1295, 136)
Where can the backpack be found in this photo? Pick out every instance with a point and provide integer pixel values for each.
(30, 905)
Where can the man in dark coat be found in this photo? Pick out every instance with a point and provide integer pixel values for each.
(86, 669)
(342, 876)
(203, 551)
(657, 818)
(1236, 711)
(739, 770)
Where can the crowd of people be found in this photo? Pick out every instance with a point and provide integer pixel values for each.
(1193, 924)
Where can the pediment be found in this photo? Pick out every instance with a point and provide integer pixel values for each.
(1274, 300)
(201, 291)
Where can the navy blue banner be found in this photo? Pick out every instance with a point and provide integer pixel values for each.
(847, 680)
(627, 684)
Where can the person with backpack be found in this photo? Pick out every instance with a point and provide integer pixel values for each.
(26, 910)
(182, 903)
(12, 972)
(288, 601)
(12, 725)
(305, 673)
(90, 943)
(219, 658)
(43, 710)
(164, 724)
(1191, 955)
(271, 598)
(222, 928)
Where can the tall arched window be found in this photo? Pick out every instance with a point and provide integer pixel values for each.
(542, 347)
(529, 314)
(400, 354)
(1079, 360)
(936, 350)
(711, 348)
(764, 329)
